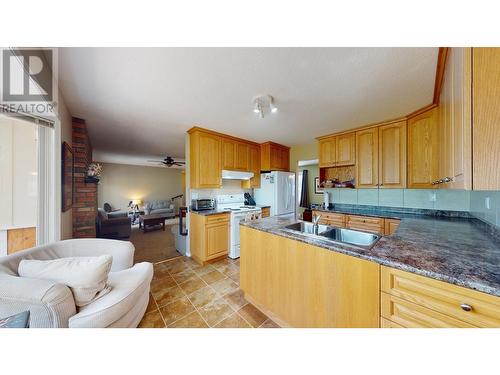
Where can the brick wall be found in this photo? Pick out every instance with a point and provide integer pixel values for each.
(85, 195)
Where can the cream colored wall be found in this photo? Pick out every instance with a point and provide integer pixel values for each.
(120, 183)
(307, 151)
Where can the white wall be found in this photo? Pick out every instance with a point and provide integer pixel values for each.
(18, 176)
(121, 183)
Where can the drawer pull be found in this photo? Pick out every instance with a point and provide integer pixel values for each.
(466, 307)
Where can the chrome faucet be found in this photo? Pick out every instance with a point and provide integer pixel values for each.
(315, 221)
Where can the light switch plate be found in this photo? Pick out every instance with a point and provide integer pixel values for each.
(487, 203)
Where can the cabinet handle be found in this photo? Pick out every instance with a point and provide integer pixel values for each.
(466, 307)
(447, 179)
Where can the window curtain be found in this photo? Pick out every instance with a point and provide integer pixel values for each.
(304, 192)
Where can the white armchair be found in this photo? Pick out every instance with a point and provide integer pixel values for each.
(52, 305)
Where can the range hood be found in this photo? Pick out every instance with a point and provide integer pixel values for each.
(236, 175)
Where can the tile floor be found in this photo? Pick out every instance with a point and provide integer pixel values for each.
(187, 295)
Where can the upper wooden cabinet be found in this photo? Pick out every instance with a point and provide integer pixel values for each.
(392, 155)
(228, 154)
(345, 151)
(205, 160)
(486, 118)
(367, 158)
(336, 151)
(423, 152)
(242, 163)
(454, 112)
(254, 164)
(274, 157)
(327, 154)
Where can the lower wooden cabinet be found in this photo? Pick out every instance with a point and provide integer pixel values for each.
(366, 223)
(390, 226)
(266, 212)
(209, 236)
(331, 218)
(412, 300)
(301, 285)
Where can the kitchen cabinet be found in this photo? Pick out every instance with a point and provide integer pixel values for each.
(266, 212)
(228, 154)
(412, 300)
(423, 152)
(455, 122)
(301, 285)
(366, 223)
(390, 226)
(274, 157)
(205, 160)
(327, 152)
(367, 158)
(254, 165)
(209, 236)
(486, 118)
(392, 155)
(242, 162)
(345, 150)
(336, 151)
(330, 218)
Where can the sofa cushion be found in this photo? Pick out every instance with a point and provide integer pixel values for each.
(103, 215)
(85, 276)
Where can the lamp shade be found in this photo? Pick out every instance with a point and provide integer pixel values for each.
(136, 202)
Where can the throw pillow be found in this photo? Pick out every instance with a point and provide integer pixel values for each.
(85, 276)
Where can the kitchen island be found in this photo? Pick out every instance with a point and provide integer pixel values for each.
(433, 262)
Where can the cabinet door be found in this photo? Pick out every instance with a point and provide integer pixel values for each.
(209, 159)
(346, 149)
(217, 236)
(392, 155)
(254, 165)
(454, 114)
(327, 152)
(242, 157)
(228, 154)
(367, 158)
(285, 159)
(486, 118)
(423, 150)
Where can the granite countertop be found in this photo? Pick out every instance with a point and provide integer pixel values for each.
(458, 250)
(209, 212)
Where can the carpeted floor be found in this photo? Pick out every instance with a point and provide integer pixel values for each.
(155, 246)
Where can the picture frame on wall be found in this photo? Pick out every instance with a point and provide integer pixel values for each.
(317, 188)
(67, 164)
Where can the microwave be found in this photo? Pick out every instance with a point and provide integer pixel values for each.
(202, 204)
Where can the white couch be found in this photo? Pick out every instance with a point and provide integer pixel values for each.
(52, 304)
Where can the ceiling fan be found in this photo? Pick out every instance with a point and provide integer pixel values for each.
(169, 162)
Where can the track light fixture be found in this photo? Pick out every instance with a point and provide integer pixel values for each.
(262, 103)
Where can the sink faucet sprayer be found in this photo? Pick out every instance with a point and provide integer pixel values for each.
(315, 220)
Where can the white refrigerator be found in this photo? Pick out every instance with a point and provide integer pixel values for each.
(277, 189)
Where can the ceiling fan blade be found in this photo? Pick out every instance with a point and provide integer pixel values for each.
(155, 161)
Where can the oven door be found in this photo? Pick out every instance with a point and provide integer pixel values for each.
(235, 228)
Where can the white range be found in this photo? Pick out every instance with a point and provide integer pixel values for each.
(235, 204)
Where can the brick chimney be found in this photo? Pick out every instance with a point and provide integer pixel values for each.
(85, 194)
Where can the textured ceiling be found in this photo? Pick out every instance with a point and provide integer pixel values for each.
(141, 101)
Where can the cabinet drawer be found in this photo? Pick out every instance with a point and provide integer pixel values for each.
(331, 218)
(410, 315)
(217, 218)
(442, 297)
(365, 223)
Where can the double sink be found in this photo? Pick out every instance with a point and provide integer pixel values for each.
(337, 235)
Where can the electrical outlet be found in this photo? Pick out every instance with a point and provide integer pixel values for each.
(487, 203)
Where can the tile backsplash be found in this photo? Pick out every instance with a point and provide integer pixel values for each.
(228, 187)
(483, 204)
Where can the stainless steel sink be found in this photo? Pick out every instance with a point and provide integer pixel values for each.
(306, 227)
(339, 235)
(352, 237)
